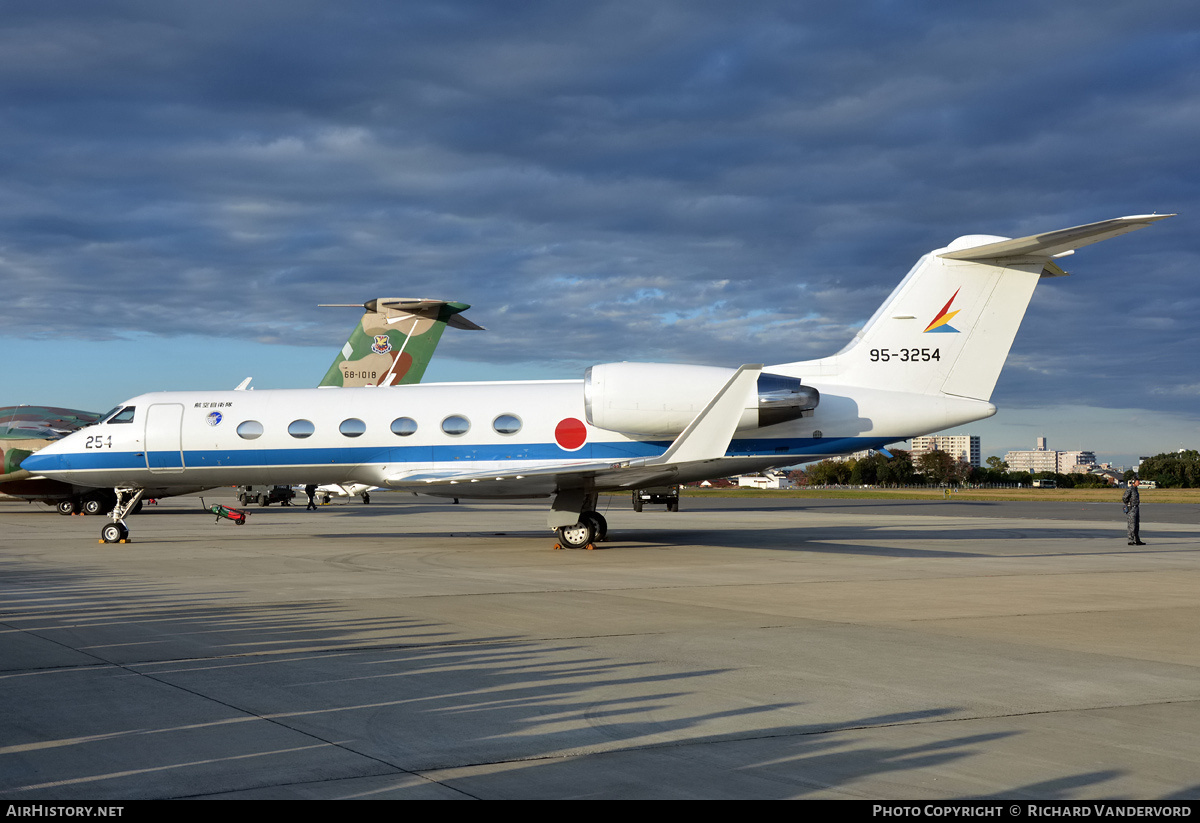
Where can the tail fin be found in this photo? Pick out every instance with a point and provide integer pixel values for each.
(394, 341)
(947, 328)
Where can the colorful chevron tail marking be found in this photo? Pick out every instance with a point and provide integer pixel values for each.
(941, 323)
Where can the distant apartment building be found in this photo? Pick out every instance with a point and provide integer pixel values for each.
(1076, 462)
(1043, 459)
(964, 447)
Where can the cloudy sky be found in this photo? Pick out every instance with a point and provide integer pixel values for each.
(182, 183)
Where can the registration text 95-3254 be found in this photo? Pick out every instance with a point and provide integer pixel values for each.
(905, 355)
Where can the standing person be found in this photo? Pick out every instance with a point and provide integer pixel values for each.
(311, 491)
(1131, 498)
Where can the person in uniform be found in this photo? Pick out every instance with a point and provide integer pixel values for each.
(311, 491)
(1132, 515)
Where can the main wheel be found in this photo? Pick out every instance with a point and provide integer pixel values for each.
(113, 533)
(68, 506)
(575, 537)
(598, 524)
(93, 505)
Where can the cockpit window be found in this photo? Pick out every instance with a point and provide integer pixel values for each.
(123, 415)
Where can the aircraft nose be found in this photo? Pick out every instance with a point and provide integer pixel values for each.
(46, 460)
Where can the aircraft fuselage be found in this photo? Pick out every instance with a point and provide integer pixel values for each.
(206, 439)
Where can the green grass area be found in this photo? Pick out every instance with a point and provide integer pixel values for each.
(1034, 495)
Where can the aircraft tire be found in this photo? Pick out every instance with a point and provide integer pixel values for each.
(93, 505)
(598, 525)
(113, 533)
(68, 506)
(577, 536)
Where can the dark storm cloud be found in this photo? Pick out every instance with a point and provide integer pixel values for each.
(698, 182)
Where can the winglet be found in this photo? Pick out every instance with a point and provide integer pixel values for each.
(707, 437)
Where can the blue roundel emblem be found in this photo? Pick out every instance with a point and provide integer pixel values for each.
(213, 418)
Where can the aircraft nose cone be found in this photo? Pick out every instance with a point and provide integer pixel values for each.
(40, 462)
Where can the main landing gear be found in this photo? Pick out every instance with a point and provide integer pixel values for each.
(592, 528)
(100, 501)
(117, 531)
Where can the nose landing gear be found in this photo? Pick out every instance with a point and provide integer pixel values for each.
(117, 531)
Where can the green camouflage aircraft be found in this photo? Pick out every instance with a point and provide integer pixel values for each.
(391, 346)
(394, 341)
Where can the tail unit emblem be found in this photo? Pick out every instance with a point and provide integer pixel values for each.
(941, 323)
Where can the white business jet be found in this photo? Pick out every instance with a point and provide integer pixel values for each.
(926, 361)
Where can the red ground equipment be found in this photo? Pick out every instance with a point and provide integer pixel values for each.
(236, 515)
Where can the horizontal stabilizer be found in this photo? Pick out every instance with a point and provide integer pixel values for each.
(1051, 244)
(399, 306)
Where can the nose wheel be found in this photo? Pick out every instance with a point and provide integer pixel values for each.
(114, 533)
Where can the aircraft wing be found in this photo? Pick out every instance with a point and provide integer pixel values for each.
(1055, 243)
(537, 482)
(706, 439)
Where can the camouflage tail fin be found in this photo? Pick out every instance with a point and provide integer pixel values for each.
(394, 341)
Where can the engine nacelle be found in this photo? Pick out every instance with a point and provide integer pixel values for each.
(660, 399)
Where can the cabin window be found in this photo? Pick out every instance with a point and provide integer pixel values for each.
(250, 430)
(352, 427)
(301, 429)
(404, 426)
(507, 424)
(456, 425)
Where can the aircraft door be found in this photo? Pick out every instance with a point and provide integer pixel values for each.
(164, 437)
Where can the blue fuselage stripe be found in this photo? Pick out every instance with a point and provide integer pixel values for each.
(425, 455)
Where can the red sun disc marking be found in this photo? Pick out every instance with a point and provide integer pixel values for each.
(570, 433)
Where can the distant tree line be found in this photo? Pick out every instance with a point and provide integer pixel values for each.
(1175, 470)
(935, 468)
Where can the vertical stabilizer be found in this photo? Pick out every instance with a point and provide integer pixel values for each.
(949, 325)
(394, 341)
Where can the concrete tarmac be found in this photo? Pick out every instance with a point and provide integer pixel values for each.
(414, 648)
